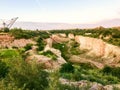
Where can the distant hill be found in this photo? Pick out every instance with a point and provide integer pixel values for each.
(51, 26)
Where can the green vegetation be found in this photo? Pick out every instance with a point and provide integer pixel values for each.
(6, 30)
(115, 71)
(41, 44)
(72, 87)
(89, 73)
(17, 74)
(95, 33)
(68, 49)
(49, 54)
(4, 69)
(27, 34)
(63, 48)
(28, 47)
(8, 53)
(67, 68)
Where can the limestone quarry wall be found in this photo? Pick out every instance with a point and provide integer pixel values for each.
(98, 46)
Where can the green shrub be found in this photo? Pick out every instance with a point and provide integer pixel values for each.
(89, 73)
(41, 44)
(107, 70)
(8, 53)
(67, 68)
(6, 30)
(115, 71)
(4, 69)
(63, 48)
(31, 77)
(49, 54)
(28, 47)
(86, 66)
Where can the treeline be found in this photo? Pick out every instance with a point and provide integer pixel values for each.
(112, 34)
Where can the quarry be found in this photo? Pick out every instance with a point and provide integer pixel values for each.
(82, 60)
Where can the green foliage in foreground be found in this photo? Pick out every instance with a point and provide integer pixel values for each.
(16, 73)
(8, 53)
(4, 69)
(28, 76)
(91, 74)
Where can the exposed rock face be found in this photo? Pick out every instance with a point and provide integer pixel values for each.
(59, 39)
(21, 42)
(77, 59)
(40, 59)
(85, 83)
(62, 35)
(111, 50)
(97, 87)
(5, 39)
(81, 83)
(60, 60)
(71, 36)
(46, 61)
(49, 42)
(95, 46)
(98, 46)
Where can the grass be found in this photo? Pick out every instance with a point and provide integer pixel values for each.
(8, 53)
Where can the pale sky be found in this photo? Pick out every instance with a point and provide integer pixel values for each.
(60, 11)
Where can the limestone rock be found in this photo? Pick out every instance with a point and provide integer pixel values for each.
(98, 47)
(97, 87)
(58, 39)
(22, 42)
(108, 87)
(71, 36)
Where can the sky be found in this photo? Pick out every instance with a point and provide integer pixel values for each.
(60, 11)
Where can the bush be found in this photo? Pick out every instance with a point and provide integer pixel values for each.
(49, 54)
(115, 71)
(86, 66)
(4, 69)
(107, 70)
(8, 53)
(31, 77)
(41, 44)
(6, 30)
(63, 48)
(28, 47)
(67, 68)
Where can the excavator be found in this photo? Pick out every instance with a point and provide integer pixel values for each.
(7, 24)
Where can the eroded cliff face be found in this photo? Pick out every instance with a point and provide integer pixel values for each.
(8, 41)
(98, 47)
